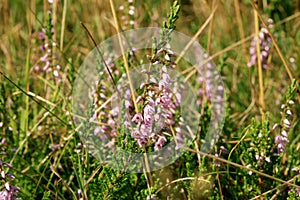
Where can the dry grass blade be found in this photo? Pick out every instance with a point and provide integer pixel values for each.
(243, 167)
(200, 30)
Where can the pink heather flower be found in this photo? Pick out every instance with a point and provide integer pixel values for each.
(41, 35)
(281, 143)
(111, 123)
(148, 120)
(79, 193)
(152, 197)
(115, 111)
(44, 58)
(138, 99)
(9, 194)
(145, 130)
(286, 122)
(275, 126)
(127, 104)
(284, 133)
(164, 69)
(148, 110)
(151, 102)
(157, 117)
(265, 44)
(98, 130)
(135, 134)
(137, 118)
(46, 67)
(298, 191)
(289, 112)
(223, 149)
(55, 73)
(142, 142)
(160, 142)
(216, 162)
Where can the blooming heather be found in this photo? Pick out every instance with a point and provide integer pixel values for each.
(9, 192)
(158, 100)
(128, 15)
(265, 43)
(281, 139)
(48, 61)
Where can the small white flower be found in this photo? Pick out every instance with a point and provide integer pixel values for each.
(167, 57)
(275, 126)
(287, 122)
(7, 186)
(131, 22)
(259, 135)
(1, 124)
(131, 12)
(138, 99)
(164, 69)
(284, 133)
(268, 159)
(3, 174)
(291, 102)
(289, 112)
(55, 73)
(292, 59)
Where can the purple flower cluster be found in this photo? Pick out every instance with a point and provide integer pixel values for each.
(159, 98)
(128, 15)
(9, 191)
(104, 114)
(265, 46)
(106, 119)
(47, 62)
(160, 103)
(281, 139)
(209, 84)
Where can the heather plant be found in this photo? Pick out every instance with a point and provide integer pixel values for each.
(228, 130)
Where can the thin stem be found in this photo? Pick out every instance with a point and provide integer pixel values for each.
(210, 30)
(240, 25)
(193, 69)
(242, 167)
(280, 187)
(196, 35)
(101, 55)
(24, 92)
(260, 74)
(123, 55)
(219, 184)
(63, 24)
